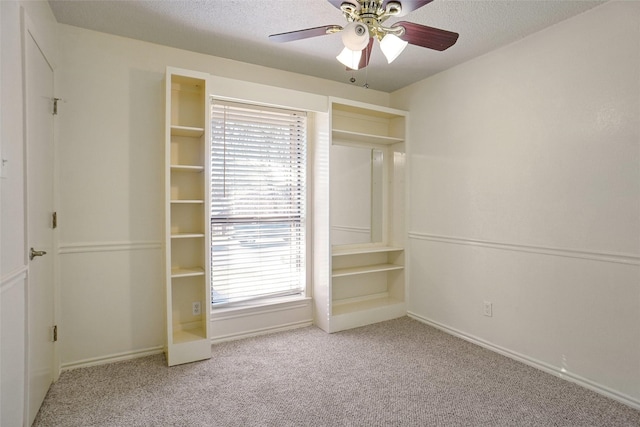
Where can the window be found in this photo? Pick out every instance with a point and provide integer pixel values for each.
(258, 202)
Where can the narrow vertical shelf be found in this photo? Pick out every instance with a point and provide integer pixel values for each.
(187, 234)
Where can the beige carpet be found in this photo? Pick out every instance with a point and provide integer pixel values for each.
(396, 373)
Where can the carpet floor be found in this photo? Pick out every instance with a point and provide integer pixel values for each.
(395, 373)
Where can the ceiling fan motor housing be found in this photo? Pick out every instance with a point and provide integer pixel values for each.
(372, 14)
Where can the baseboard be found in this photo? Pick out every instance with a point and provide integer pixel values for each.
(119, 357)
(550, 369)
(103, 360)
(262, 331)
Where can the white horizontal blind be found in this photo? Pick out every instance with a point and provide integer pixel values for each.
(258, 202)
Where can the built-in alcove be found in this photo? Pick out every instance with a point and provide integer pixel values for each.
(366, 156)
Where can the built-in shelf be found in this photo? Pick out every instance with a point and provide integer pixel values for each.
(365, 269)
(187, 246)
(187, 235)
(186, 272)
(187, 168)
(353, 305)
(189, 131)
(187, 201)
(346, 135)
(366, 279)
(345, 251)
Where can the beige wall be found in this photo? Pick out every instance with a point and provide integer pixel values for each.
(525, 192)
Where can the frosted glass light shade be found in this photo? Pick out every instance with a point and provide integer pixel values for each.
(350, 58)
(392, 46)
(355, 36)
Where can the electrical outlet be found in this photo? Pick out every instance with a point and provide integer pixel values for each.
(487, 309)
(195, 308)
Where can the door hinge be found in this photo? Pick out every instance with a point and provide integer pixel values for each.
(54, 333)
(54, 220)
(55, 105)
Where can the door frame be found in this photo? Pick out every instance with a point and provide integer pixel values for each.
(29, 29)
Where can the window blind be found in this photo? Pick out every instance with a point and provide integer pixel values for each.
(258, 202)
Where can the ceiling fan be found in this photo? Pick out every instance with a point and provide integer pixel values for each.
(365, 24)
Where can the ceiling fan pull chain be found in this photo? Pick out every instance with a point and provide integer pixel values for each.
(366, 71)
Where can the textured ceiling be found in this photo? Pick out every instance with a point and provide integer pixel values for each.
(239, 30)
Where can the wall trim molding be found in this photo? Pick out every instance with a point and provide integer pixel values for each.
(129, 245)
(543, 366)
(262, 331)
(612, 257)
(9, 280)
(111, 358)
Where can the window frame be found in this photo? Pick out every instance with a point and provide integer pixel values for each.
(307, 219)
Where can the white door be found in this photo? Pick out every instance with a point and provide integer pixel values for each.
(39, 142)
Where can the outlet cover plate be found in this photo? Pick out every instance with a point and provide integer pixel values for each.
(196, 308)
(487, 309)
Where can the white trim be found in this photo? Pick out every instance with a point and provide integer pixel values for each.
(9, 280)
(618, 258)
(538, 364)
(262, 331)
(74, 248)
(118, 357)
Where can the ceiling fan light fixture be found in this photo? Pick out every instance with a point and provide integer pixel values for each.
(392, 46)
(355, 36)
(365, 24)
(350, 58)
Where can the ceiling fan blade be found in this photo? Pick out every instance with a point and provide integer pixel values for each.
(305, 34)
(366, 55)
(429, 37)
(408, 5)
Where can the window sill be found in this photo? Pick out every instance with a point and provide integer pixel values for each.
(257, 307)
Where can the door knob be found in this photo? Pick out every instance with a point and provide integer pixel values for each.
(33, 253)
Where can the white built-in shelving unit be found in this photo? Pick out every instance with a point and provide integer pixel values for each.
(186, 229)
(366, 282)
